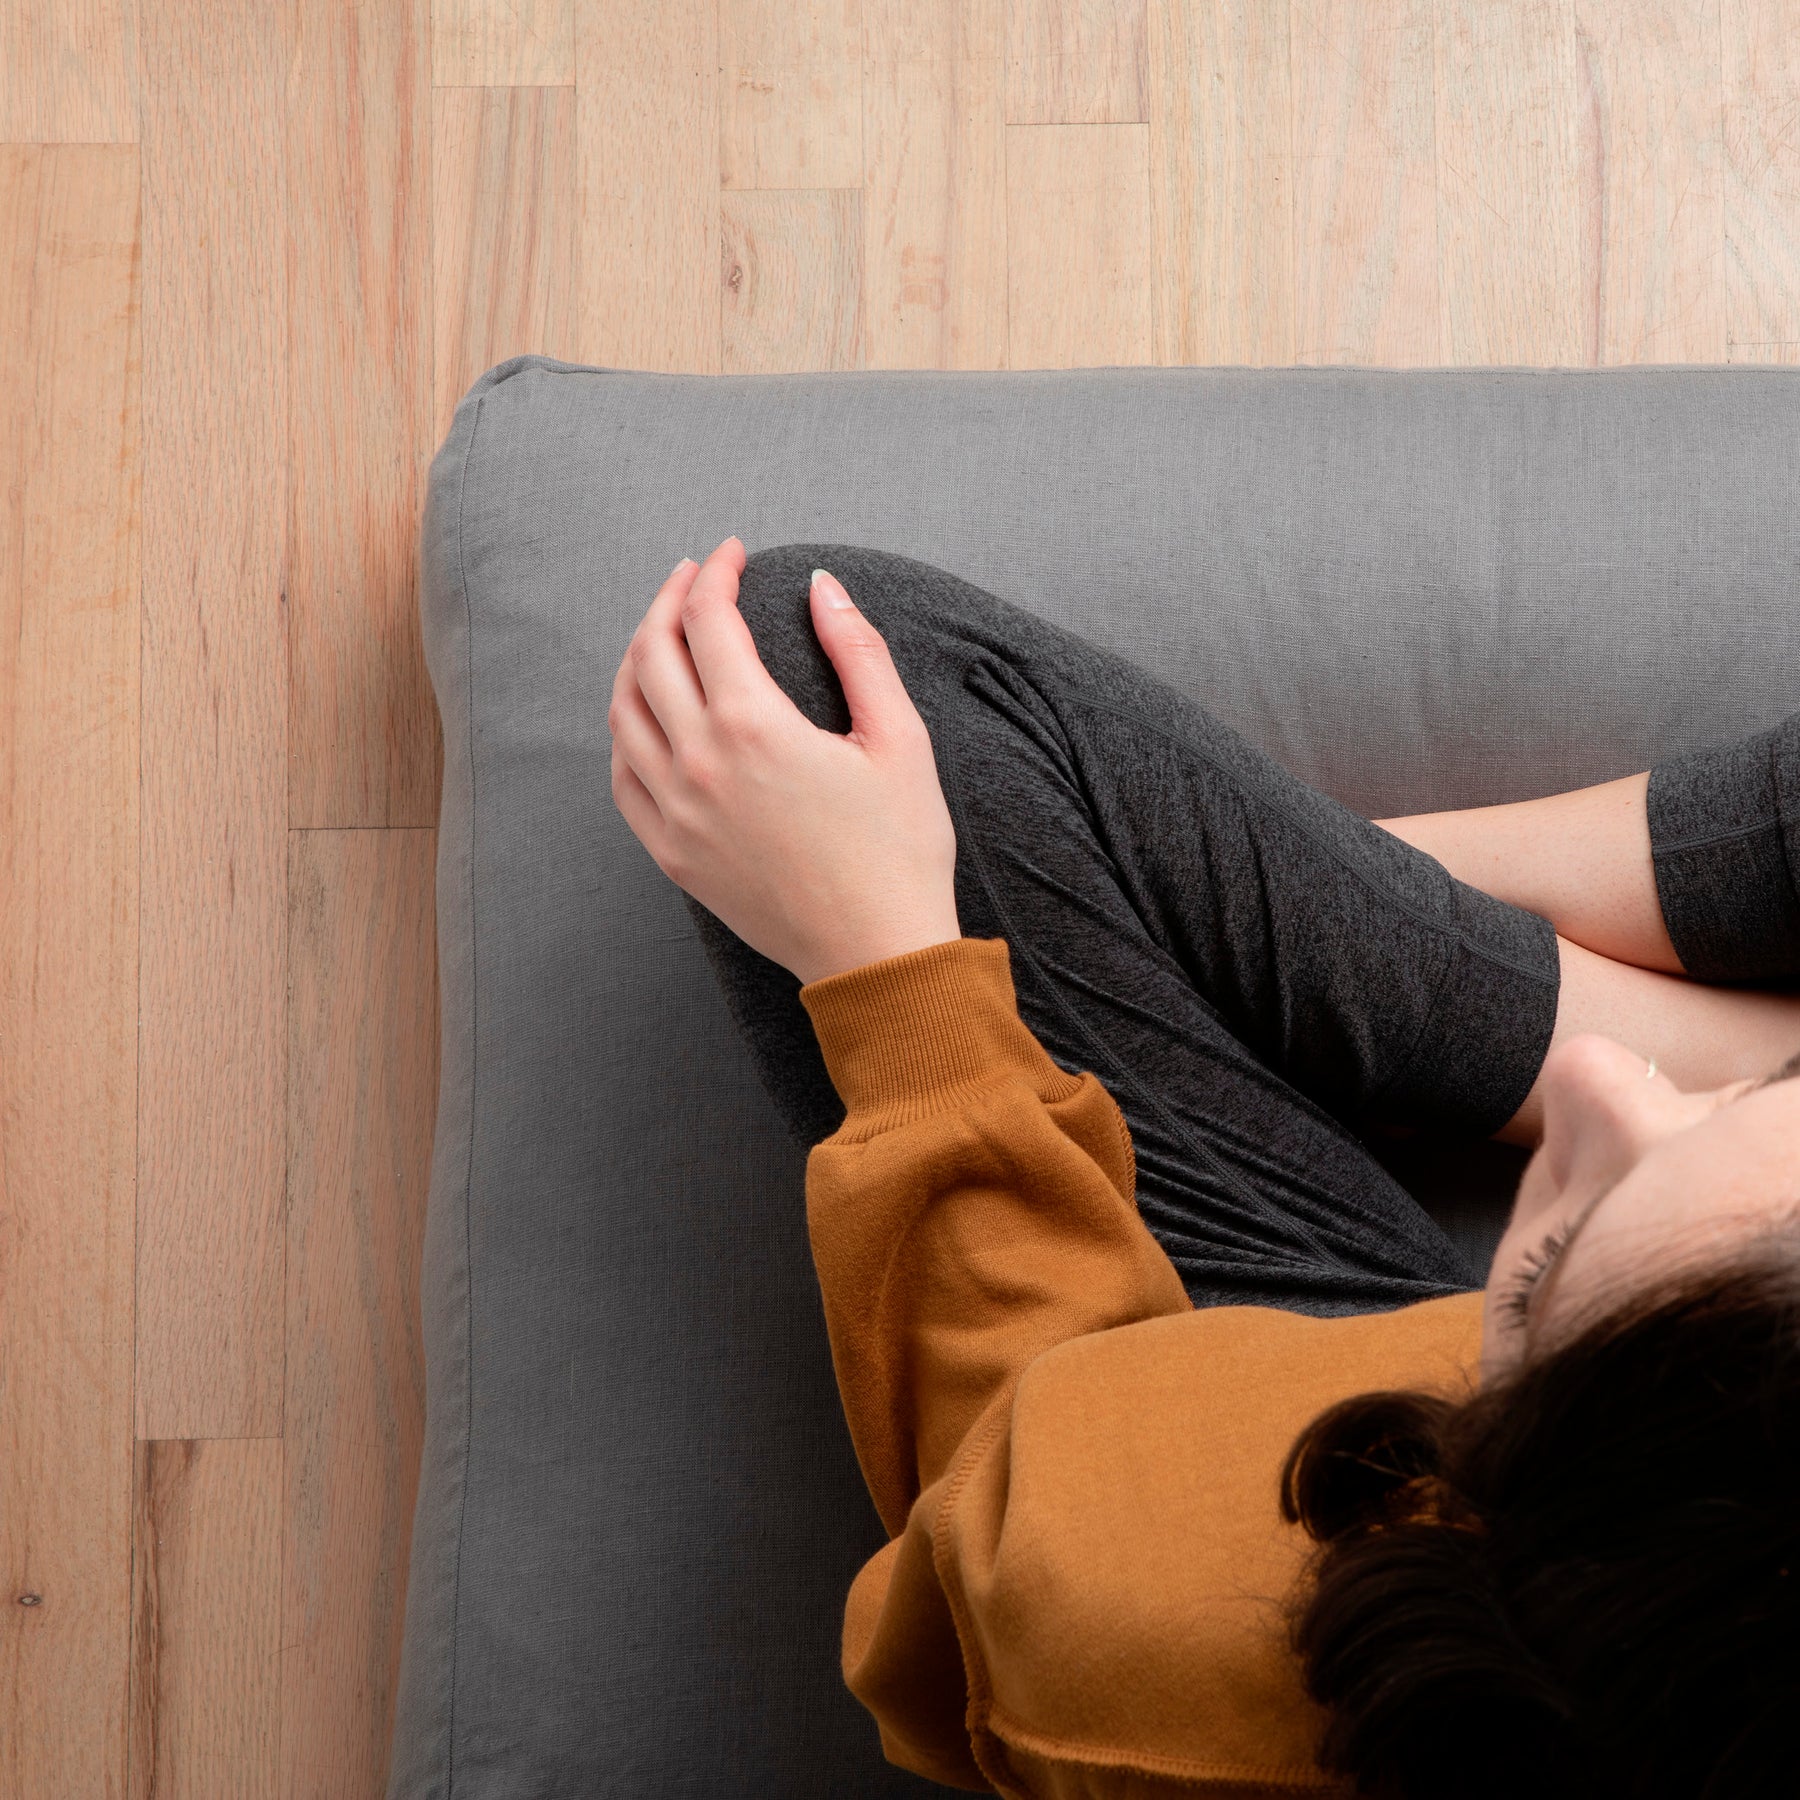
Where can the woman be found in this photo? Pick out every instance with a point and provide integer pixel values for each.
(1087, 1009)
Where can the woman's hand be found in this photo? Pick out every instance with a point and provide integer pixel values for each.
(823, 852)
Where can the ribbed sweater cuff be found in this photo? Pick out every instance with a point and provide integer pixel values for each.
(902, 1036)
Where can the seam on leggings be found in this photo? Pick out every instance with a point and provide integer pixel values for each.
(1286, 1223)
(1772, 823)
(1786, 837)
(1336, 855)
(1412, 1050)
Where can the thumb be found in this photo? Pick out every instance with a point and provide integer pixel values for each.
(859, 653)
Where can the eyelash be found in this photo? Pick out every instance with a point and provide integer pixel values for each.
(1517, 1297)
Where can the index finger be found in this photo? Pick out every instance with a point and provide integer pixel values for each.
(724, 652)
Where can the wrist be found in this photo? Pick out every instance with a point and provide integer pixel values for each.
(857, 949)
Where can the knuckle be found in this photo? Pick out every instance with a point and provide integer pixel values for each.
(695, 769)
(913, 735)
(733, 722)
(871, 651)
(674, 865)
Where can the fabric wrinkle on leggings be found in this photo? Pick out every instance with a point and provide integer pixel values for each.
(1258, 975)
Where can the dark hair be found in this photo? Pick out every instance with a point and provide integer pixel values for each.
(1583, 1579)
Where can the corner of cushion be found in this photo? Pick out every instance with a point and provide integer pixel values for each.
(905, 1036)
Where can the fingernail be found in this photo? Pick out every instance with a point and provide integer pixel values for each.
(834, 589)
(685, 562)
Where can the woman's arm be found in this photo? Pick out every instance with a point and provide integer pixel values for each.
(974, 1210)
(976, 1207)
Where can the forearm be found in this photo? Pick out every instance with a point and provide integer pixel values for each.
(974, 1209)
(1581, 859)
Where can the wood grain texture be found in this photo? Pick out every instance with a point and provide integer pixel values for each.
(1764, 353)
(213, 958)
(503, 43)
(363, 742)
(791, 281)
(1649, 86)
(790, 93)
(1078, 245)
(1076, 62)
(1761, 89)
(68, 71)
(1365, 184)
(1520, 220)
(363, 1065)
(1221, 181)
(206, 1620)
(934, 184)
(503, 232)
(647, 75)
(1396, 181)
(69, 440)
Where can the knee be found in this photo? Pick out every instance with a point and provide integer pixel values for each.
(774, 601)
(931, 619)
(896, 593)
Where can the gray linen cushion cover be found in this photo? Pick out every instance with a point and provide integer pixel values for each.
(639, 1511)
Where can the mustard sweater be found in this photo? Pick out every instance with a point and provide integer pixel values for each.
(1082, 1593)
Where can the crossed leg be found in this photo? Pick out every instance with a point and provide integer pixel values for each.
(1260, 976)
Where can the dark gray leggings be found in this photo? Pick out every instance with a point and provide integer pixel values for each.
(1260, 977)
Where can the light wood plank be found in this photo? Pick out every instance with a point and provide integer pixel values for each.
(1076, 62)
(1765, 353)
(1221, 181)
(1761, 40)
(1365, 184)
(214, 781)
(1078, 245)
(362, 1093)
(503, 231)
(503, 43)
(934, 184)
(206, 1645)
(647, 75)
(363, 745)
(68, 71)
(1519, 217)
(1651, 110)
(69, 441)
(791, 273)
(790, 93)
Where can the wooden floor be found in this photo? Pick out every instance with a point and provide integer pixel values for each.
(250, 253)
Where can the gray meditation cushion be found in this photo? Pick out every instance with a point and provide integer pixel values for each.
(639, 1511)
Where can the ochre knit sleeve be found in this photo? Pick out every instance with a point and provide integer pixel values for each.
(974, 1209)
